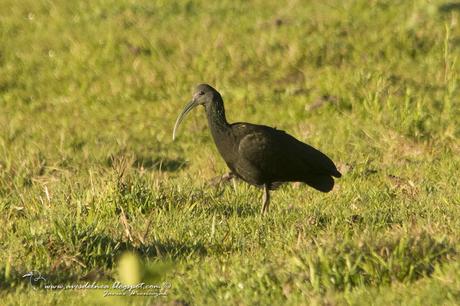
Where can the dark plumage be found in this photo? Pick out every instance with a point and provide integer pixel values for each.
(261, 155)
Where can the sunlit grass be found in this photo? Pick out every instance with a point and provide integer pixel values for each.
(89, 92)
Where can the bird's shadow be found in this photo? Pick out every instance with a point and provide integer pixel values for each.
(145, 162)
(160, 163)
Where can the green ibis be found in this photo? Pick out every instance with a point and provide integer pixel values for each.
(261, 155)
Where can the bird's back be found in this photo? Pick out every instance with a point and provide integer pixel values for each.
(270, 156)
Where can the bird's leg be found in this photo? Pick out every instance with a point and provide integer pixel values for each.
(266, 200)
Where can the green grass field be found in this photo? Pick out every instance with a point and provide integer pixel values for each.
(90, 90)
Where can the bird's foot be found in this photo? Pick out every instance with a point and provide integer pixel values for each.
(227, 177)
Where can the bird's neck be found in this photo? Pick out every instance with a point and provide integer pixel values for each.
(221, 131)
(216, 118)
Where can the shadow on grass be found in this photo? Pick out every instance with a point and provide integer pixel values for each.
(102, 251)
(90, 267)
(160, 163)
(449, 7)
(345, 265)
(93, 259)
(238, 209)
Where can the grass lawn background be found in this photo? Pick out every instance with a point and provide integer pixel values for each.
(89, 92)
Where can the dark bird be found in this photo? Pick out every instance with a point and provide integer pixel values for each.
(261, 155)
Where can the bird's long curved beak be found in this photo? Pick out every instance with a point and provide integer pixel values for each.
(190, 105)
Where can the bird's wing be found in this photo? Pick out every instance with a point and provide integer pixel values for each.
(263, 152)
(280, 156)
(257, 158)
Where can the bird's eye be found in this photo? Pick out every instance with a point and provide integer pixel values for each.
(201, 93)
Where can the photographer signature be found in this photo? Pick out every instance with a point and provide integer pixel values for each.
(35, 278)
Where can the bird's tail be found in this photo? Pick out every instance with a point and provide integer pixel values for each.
(323, 183)
(336, 173)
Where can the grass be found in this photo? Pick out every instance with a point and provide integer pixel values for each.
(89, 91)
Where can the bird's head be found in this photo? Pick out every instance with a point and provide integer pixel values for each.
(204, 95)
